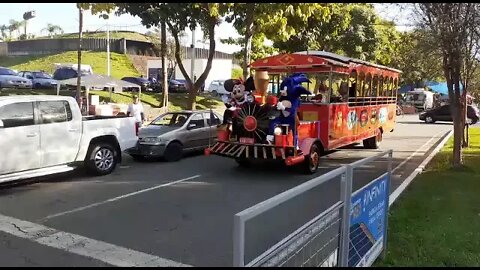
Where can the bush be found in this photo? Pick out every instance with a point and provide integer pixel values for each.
(237, 73)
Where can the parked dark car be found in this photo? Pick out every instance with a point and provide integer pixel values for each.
(145, 84)
(442, 113)
(174, 86)
(177, 86)
(66, 73)
(39, 79)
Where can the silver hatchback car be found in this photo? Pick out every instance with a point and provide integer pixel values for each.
(173, 133)
(10, 79)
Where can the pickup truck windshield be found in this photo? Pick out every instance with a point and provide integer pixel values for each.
(171, 119)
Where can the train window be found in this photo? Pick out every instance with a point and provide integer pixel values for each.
(374, 92)
(360, 83)
(339, 89)
(352, 85)
(367, 85)
(381, 91)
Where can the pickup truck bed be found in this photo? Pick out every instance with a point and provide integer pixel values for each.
(43, 133)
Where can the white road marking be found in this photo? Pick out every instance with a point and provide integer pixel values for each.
(416, 152)
(120, 197)
(105, 252)
(395, 194)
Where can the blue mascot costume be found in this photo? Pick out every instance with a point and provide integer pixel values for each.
(288, 103)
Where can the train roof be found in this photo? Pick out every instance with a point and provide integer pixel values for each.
(345, 59)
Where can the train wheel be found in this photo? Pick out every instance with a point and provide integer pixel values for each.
(312, 160)
(373, 142)
(243, 162)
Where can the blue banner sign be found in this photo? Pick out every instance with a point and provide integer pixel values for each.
(368, 218)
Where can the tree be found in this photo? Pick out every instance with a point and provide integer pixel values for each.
(418, 58)
(455, 30)
(170, 46)
(14, 26)
(3, 31)
(257, 21)
(53, 29)
(258, 49)
(320, 31)
(179, 16)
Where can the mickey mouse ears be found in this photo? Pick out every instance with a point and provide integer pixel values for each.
(230, 83)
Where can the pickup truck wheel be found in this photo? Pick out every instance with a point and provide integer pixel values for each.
(101, 159)
(173, 152)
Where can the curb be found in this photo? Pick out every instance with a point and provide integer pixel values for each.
(395, 194)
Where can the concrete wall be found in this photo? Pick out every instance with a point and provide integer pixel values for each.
(3, 49)
(49, 46)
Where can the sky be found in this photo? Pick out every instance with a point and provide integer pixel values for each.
(66, 16)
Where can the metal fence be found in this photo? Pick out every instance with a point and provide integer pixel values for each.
(326, 240)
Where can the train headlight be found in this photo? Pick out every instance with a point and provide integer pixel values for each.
(277, 131)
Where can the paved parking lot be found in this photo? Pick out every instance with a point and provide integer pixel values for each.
(161, 213)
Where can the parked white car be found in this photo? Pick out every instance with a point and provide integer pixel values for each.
(42, 135)
(217, 88)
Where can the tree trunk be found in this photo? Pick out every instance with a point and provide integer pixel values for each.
(457, 140)
(79, 64)
(464, 118)
(247, 50)
(457, 113)
(193, 88)
(164, 64)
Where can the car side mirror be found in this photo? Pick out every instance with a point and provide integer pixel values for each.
(1, 124)
(191, 126)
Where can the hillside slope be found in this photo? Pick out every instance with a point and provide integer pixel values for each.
(121, 65)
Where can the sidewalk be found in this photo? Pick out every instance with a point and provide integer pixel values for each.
(436, 222)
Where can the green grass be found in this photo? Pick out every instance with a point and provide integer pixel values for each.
(176, 101)
(436, 222)
(102, 34)
(121, 65)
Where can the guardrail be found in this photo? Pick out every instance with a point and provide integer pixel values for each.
(304, 240)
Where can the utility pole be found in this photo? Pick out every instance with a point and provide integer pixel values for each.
(108, 49)
(192, 66)
(106, 17)
(163, 48)
(79, 65)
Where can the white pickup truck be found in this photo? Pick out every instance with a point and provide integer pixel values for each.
(42, 135)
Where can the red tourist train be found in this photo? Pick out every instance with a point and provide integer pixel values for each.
(352, 101)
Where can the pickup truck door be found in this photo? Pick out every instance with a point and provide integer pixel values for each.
(60, 133)
(19, 138)
(197, 132)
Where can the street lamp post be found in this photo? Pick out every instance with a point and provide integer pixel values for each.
(27, 16)
(106, 17)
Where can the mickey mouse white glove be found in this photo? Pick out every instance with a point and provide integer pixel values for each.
(280, 106)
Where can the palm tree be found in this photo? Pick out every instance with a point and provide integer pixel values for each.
(15, 26)
(53, 29)
(3, 31)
